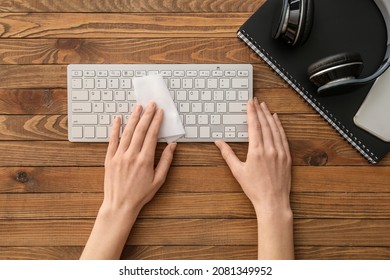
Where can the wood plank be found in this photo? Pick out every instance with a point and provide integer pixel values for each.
(121, 25)
(197, 253)
(196, 206)
(54, 127)
(83, 50)
(305, 179)
(54, 76)
(54, 101)
(128, 6)
(35, 101)
(64, 153)
(222, 232)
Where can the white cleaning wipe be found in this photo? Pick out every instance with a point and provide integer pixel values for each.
(153, 88)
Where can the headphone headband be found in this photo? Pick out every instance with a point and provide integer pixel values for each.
(384, 7)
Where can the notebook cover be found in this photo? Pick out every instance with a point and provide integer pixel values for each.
(338, 26)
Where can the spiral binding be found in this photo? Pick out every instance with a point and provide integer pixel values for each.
(341, 129)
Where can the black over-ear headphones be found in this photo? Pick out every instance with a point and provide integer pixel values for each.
(338, 71)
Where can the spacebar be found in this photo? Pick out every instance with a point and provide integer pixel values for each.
(234, 119)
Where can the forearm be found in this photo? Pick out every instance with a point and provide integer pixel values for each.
(275, 235)
(109, 234)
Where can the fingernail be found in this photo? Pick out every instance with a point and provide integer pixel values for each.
(256, 100)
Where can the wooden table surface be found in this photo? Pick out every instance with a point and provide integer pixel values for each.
(51, 189)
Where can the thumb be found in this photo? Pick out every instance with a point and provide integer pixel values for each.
(229, 156)
(163, 165)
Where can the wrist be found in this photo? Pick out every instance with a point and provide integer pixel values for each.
(281, 213)
(125, 216)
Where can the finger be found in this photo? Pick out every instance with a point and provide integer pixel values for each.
(161, 171)
(229, 156)
(282, 134)
(114, 138)
(265, 127)
(142, 128)
(130, 128)
(254, 129)
(150, 142)
(274, 128)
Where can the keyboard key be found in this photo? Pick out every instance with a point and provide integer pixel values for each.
(191, 131)
(204, 132)
(98, 107)
(89, 73)
(175, 84)
(204, 73)
(212, 83)
(119, 95)
(205, 95)
(200, 83)
(237, 107)
(243, 95)
(82, 107)
(190, 119)
(187, 83)
(217, 135)
(104, 119)
(113, 83)
(101, 132)
(178, 73)
(77, 132)
(243, 74)
(242, 134)
(89, 83)
(115, 73)
(203, 119)
(193, 95)
(240, 83)
(217, 73)
(89, 132)
(215, 119)
(84, 119)
(107, 95)
(234, 119)
(102, 73)
(77, 73)
(101, 83)
(224, 83)
(80, 95)
(77, 83)
(94, 95)
(125, 83)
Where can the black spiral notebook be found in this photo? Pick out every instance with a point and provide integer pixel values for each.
(338, 26)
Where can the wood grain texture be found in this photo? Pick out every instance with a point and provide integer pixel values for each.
(244, 252)
(130, 6)
(197, 179)
(64, 153)
(196, 206)
(221, 232)
(140, 50)
(120, 25)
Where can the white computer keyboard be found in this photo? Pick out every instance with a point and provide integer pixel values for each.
(210, 98)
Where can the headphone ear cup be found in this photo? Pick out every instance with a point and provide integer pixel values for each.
(280, 17)
(307, 22)
(336, 67)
